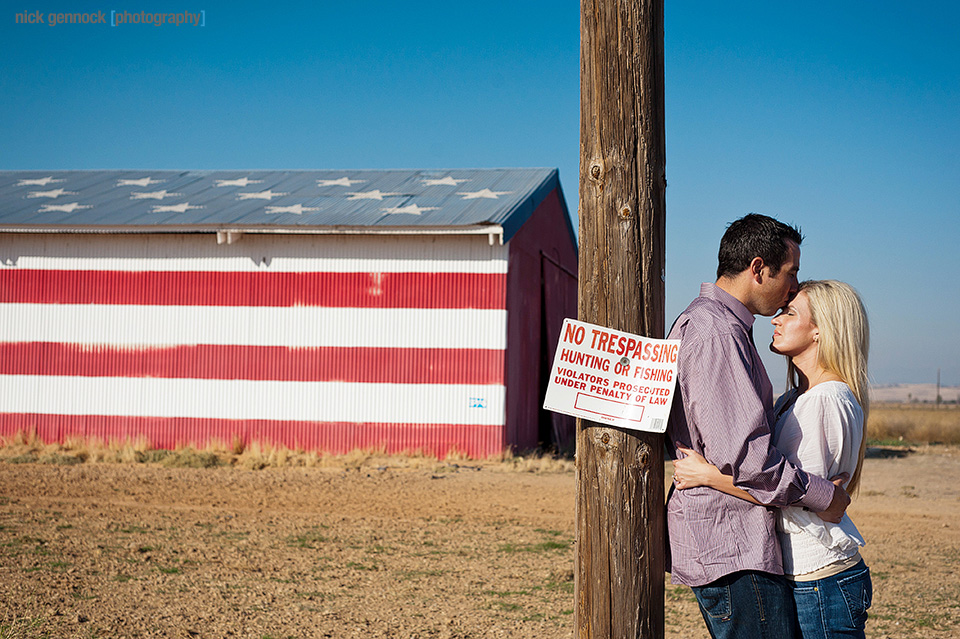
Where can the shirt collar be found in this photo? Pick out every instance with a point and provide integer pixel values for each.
(714, 292)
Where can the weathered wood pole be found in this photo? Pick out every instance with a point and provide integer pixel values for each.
(620, 493)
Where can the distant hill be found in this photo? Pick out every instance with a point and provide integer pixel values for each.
(904, 393)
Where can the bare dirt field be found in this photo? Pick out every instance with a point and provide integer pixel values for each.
(385, 549)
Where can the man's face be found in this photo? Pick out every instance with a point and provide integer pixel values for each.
(776, 290)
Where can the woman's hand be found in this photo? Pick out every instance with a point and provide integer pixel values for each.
(693, 470)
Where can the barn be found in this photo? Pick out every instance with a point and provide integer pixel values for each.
(403, 310)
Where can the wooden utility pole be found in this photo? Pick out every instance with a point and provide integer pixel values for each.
(620, 495)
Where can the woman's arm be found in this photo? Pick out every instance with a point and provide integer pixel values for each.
(693, 470)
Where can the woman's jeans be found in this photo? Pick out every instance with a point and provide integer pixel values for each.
(836, 606)
(748, 605)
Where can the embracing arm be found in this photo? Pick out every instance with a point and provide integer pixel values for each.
(693, 470)
(731, 422)
(733, 431)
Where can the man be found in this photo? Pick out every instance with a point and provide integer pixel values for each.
(726, 548)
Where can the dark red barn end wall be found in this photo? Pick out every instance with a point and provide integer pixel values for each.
(541, 292)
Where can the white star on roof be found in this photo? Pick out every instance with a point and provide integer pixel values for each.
(51, 193)
(375, 194)
(344, 181)
(262, 195)
(244, 181)
(144, 182)
(296, 209)
(483, 193)
(444, 181)
(173, 208)
(153, 195)
(37, 181)
(63, 208)
(410, 209)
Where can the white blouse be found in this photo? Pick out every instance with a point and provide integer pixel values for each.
(819, 431)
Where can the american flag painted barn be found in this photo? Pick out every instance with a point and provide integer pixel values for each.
(325, 310)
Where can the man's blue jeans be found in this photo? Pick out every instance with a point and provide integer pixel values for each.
(748, 605)
(835, 607)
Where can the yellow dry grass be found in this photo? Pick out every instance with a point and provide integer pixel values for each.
(25, 447)
(887, 424)
(914, 424)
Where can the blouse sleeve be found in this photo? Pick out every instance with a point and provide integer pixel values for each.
(822, 428)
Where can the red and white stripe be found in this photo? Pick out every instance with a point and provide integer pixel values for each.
(318, 342)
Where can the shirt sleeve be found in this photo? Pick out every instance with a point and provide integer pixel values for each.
(733, 428)
(821, 444)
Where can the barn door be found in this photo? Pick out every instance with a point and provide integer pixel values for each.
(559, 301)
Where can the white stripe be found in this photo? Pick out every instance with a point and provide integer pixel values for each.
(245, 399)
(298, 326)
(258, 253)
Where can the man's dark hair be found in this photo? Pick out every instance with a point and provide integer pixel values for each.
(751, 236)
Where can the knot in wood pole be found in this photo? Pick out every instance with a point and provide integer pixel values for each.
(643, 455)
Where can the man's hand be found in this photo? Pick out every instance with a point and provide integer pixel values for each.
(838, 505)
(692, 470)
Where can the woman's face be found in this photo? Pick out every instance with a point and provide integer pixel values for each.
(793, 329)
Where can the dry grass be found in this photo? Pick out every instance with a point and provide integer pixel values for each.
(889, 424)
(28, 448)
(913, 424)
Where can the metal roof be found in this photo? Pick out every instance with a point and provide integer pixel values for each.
(296, 201)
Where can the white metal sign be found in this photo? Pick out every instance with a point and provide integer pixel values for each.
(612, 377)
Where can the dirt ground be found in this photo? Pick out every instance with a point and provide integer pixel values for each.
(382, 550)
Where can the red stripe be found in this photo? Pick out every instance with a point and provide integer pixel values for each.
(216, 288)
(280, 363)
(332, 437)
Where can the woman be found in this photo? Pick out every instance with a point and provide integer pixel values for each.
(820, 427)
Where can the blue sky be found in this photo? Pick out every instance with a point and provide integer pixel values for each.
(843, 119)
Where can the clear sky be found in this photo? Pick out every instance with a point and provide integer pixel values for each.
(842, 118)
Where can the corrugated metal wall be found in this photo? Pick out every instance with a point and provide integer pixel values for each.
(321, 342)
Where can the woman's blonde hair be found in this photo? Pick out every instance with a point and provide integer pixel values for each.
(837, 310)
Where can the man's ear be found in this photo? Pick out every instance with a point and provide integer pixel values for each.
(756, 269)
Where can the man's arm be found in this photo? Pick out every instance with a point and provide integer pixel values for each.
(728, 416)
(693, 470)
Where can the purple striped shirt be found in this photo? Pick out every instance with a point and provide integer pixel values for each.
(724, 411)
